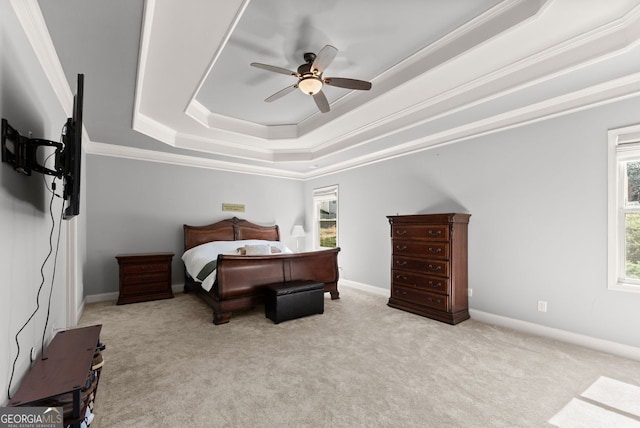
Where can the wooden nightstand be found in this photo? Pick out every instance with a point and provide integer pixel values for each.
(144, 277)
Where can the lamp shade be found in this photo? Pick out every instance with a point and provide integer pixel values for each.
(310, 85)
(297, 231)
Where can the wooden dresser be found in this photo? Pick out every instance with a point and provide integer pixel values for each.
(144, 277)
(429, 265)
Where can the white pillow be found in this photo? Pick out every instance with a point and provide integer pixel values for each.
(258, 249)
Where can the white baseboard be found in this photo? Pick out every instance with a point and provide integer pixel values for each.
(602, 345)
(80, 311)
(106, 297)
(364, 287)
(103, 297)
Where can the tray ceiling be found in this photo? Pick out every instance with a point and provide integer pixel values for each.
(175, 82)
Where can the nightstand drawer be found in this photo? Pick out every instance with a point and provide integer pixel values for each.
(144, 288)
(147, 277)
(145, 268)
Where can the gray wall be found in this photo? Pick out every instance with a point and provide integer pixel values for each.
(538, 231)
(29, 104)
(138, 206)
(537, 195)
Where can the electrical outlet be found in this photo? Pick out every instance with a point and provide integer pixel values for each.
(470, 292)
(542, 306)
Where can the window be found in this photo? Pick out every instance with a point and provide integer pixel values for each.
(325, 217)
(624, 209)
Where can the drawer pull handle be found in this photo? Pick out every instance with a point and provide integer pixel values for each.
(435, 250)
(401, 232)
(435, 232)
(400, 292)
(401, 247)
(401, 262)
(435, 284)
(432, 300)
(401, 277)
(434, 268)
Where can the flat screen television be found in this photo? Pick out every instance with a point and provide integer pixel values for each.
(21, 153)
(72, 154)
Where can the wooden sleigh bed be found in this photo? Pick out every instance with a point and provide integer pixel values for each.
(239, 280)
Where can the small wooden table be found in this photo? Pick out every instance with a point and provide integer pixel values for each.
(144, 277)
(63, 368)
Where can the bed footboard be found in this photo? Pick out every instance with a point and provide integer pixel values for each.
(240, 279)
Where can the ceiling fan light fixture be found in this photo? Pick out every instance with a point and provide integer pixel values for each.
(310, 85)
(310, 80)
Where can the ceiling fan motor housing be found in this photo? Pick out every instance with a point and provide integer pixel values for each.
(309, 57)
(305, 70)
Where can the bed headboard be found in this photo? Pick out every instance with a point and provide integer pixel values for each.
(232, 229)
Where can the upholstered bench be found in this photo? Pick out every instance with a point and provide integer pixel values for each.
(293, 299)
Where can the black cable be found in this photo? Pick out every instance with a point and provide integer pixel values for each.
(55, 262)
(13, 369)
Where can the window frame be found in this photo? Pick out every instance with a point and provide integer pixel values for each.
(323, 194)
(624, 145)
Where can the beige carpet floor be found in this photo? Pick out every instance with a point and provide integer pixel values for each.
(360, 364)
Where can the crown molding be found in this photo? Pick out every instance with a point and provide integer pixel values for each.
(480, 29)
(606, 93)
(154, 129)
(616, 38)
(202, 115)
(104, 149)
(30, 17)
(581, 51)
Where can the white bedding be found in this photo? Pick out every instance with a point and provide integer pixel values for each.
(197, 258)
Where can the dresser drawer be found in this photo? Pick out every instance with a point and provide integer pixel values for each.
(432, 250)
(132, 269)
(432, 300)
(436, 232)
(425, 267)
(413, 280)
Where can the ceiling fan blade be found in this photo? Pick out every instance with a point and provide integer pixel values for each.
(321, 101)
(341, 82)
(274, 69)
(324, 58)
(281, 93)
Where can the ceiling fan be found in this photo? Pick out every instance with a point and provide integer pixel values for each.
(310, 79)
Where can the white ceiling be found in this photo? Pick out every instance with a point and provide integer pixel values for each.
(281, 35)
(441, 70)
